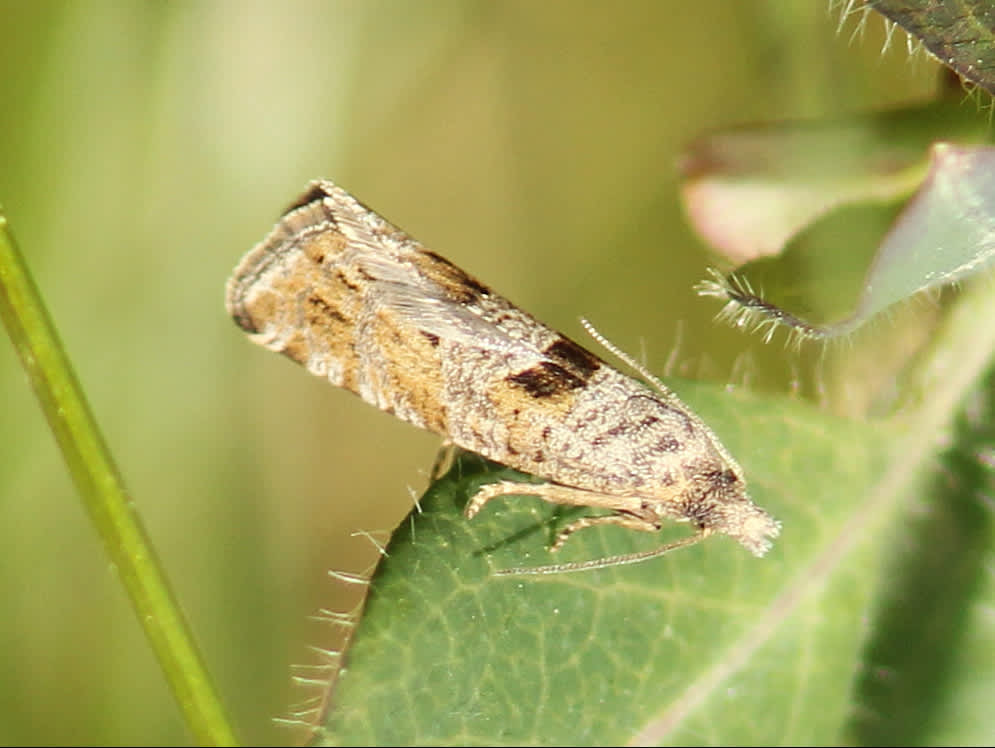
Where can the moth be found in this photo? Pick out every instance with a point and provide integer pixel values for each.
(360, 303)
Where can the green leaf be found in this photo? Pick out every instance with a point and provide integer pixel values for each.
(749, 191)
(939, 592)
(944, 234)
(707, 644)
(959, 33)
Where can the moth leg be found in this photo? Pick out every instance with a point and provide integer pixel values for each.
(492, 490)
(627, 521)
(551, 492)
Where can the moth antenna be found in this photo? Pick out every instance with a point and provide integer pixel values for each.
(621, 355)
(603, 563)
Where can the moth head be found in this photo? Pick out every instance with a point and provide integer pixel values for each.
(718, 502)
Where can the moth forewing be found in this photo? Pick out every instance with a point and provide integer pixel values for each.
(359, 302)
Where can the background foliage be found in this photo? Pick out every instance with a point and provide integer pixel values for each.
(147, 146)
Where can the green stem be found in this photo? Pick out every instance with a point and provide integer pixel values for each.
(103, 493)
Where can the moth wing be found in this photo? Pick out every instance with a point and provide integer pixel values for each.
(428, 306)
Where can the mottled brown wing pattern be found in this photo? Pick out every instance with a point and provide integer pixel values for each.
(359, 302)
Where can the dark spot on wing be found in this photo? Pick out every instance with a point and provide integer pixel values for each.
(344, 280)
(462, 287)
(314, 194)
(545, 380)
(724, 477)
(573, 358)
(433, 340)
(322, 307)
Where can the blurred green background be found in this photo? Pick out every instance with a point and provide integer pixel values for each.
(146, 146)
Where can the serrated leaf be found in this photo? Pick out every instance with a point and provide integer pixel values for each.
(959, 33)
(705, 645)
(944, 234)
